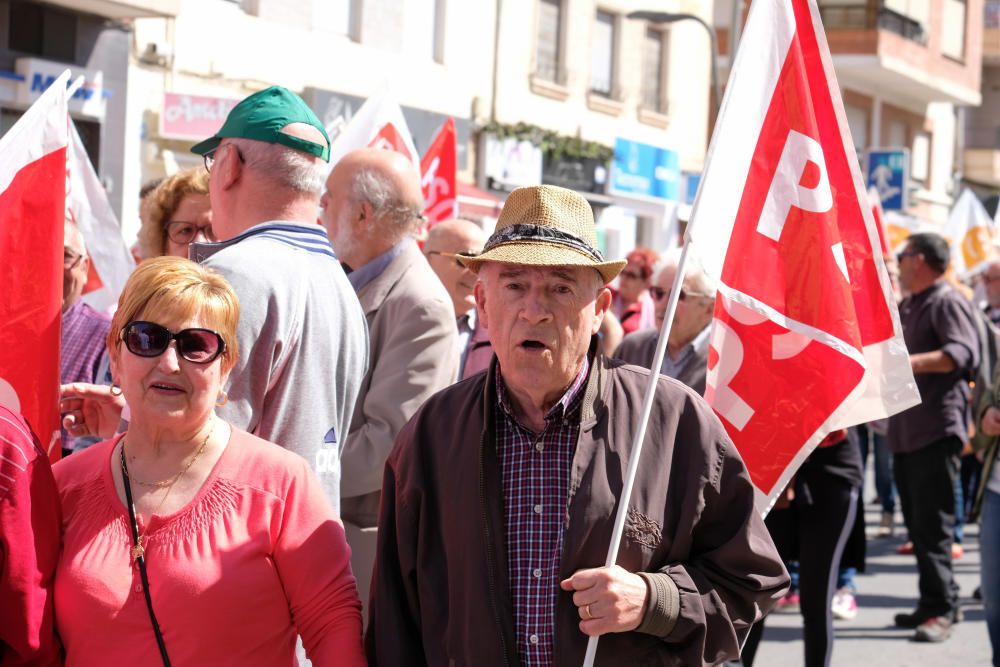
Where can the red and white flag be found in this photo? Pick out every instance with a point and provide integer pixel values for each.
(438, 171)
(379, 123)
(88, 207)
(32, 211)
(806, 337)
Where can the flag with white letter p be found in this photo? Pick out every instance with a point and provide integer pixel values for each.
(806, 337)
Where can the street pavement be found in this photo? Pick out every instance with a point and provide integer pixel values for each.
(888, 587)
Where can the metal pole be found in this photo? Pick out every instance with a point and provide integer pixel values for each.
(640, 433)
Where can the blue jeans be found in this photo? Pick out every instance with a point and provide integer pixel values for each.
(884, 484)
(989, 539)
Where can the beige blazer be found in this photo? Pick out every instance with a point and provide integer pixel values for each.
(414, 354)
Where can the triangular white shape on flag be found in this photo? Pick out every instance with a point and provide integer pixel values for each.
(379, 123)
(782, 220)
(971, 232)
(87, 205)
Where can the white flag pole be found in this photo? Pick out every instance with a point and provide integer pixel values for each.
(640, 433)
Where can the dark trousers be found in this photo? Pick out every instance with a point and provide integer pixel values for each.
(926, 481)
(815, 529)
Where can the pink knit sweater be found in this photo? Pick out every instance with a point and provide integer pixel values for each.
(256, 558)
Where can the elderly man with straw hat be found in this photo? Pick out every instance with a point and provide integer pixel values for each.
(499, 497)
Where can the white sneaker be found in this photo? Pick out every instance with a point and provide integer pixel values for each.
(844, 606)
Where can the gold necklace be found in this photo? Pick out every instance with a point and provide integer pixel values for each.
(138, 549)
(173, 480)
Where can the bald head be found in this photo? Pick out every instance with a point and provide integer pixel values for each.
(372, 201)
(444, 240)
(76, 265)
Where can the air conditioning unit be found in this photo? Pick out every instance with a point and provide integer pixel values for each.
(158, 54)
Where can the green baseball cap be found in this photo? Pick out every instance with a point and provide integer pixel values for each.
(263, 116)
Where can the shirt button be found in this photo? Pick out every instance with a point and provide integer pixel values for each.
(138, 588)
(533, 639)
(537, 572)
(539, 447)
(538, 509)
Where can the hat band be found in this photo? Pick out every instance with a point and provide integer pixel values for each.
(525, 232)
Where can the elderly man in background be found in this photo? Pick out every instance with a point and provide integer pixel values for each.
(926, 439)
(371, 209)
(83, 349)
(686, 359)
(302, 337)
(445, 241)
(499, 496)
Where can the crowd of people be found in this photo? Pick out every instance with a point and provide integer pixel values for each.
(303, 434)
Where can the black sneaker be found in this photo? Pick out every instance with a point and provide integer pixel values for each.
(933, 630)
(911, 621)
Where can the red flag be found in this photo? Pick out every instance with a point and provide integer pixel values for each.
(806, 337)
(438, 174)
(32, 211)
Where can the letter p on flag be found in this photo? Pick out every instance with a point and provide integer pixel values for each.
(806, 337)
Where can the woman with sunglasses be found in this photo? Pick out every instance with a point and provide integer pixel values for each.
(185, 540)
(632, 304)
(178, 214)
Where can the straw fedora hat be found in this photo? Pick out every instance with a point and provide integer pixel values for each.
(544, 225)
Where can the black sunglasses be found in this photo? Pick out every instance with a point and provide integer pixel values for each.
(147, 339)
(453, 256)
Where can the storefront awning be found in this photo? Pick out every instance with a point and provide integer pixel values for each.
(475, 203)
(125, 9)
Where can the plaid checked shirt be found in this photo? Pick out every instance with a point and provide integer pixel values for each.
(535, 472)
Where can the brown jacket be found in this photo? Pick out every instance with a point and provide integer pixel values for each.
(440, 590)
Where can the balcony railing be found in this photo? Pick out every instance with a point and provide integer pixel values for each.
(852, 16)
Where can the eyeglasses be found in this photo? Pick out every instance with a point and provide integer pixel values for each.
(183, 232)
(453, 256)
(71, 259)
(209, 157)
(906, 253)
(148, 339)
(659, 294)
(986, 280)
(634, 275)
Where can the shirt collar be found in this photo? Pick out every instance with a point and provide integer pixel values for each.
(565, 406)
(467, 322)
(368, 272)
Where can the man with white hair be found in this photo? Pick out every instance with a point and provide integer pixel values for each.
(686, 359)
(302, 340)
(371, 209)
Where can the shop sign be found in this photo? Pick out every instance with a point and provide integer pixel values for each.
(512, 163)
(90, 99)
(641, 170)
(888, 171)
(576, 173)
(193, 117)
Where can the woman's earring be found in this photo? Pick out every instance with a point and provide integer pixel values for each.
(222, 399)
(115, 389)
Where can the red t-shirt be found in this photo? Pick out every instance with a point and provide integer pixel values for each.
(29, 547)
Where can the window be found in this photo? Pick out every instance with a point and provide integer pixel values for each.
(547, 50)
(602, 58)
(953, 29)
(857, 121)
(43, 31)
(653, 66)
(422, 28)
(920, 157)
(334, 15)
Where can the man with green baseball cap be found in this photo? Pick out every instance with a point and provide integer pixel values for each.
(264, 116)
(302, 335)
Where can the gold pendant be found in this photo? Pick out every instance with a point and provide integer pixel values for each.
(138, 550)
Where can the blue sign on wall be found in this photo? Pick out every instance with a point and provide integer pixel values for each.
(645, 171)
(888, 171)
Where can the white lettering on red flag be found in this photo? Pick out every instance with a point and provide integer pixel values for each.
(438, 171)
(806, 337)
(32, 211)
